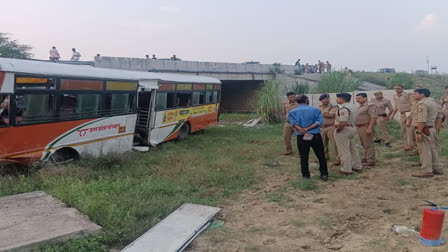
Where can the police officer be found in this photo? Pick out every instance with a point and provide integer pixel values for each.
(403, 105)
(327, 128)
(427, 113)
(444, 102)
(344, 136)
(382, 104)
(365, 120)
(288, 131)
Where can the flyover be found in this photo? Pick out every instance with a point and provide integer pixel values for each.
(240, 80)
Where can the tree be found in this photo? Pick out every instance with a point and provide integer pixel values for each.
(10, 48)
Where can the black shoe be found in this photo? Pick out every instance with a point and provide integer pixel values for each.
(306, 177)
(388, 145)
(324, 177)
(377, 141)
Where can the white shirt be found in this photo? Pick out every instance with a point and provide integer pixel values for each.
(76, 56)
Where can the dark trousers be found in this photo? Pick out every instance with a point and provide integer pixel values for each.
(304, 151)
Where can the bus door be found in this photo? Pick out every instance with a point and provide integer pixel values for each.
(144, 112)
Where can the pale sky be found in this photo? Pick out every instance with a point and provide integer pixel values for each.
(359, 34)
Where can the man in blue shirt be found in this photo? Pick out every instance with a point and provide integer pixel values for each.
(306, 121)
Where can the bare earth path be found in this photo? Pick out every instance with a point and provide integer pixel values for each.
(344, 214)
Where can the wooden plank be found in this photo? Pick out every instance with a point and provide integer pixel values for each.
(175, 232)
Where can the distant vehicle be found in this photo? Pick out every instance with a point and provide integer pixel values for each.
(252, 62)
(421, 72)
(60, 112)
(386, 70)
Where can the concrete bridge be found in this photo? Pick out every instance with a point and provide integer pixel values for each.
(240, 80)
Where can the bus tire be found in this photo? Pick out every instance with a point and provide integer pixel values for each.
(64, 155)
(183, 132)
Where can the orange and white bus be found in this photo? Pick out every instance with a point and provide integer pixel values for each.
(59, 112)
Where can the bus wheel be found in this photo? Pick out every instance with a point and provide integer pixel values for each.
(64, 155)
(183, 132)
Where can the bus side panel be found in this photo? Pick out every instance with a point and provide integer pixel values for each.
(89, 137)
(28, 142)
(102, 136)
(168, 122)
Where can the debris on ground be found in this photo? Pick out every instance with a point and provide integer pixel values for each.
(251, 123)
(177, 231)
(403, 230)
(141, 148)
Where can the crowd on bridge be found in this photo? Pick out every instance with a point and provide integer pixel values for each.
(335, 126)
(318, 68)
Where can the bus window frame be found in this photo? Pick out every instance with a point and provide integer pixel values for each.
(191, 91)
(58, 92)
(5, 125)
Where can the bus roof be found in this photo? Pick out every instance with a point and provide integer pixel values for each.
(68, 70)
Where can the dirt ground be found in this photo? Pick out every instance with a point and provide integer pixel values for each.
(355, 213)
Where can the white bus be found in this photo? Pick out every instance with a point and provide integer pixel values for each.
(53, 111)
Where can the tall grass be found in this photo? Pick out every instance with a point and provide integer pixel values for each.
(337, 82)
(300, 87)
(268, 101)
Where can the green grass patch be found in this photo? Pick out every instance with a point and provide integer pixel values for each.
(298, 223)
(402, 182)
(127, 194)
(305, 184)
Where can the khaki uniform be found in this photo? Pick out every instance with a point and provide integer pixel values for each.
(366, 112)
(427, 113)
(345, 140)
(381, 122)
(327, 129)
(444, 104)
(403, 105)
(288, 131)
(413, 120)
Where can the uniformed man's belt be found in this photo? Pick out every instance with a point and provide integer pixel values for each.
(404, 112)
(384, 115)
(362, 125)
(327, 125)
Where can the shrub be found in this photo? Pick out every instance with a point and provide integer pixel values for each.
(300, 87)
(337, 82)
(268, 101)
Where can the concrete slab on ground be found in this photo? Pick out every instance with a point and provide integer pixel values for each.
(175, 232)
(31, 219)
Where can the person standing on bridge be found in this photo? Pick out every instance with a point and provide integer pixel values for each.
(54, 54)
(328, 67)
(288, 131)
(76, 55)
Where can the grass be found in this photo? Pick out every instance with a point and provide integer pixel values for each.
(268, 101)
(305, 184)
(336, 82)
(402, 182)
(243, 117)
(127, 194)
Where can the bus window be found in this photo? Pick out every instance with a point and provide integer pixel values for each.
(34, 108)
(196, 100)
(208, 97)
(215, 97)
(87, 105)
(183, 99)
(120, 103)
(164, 101)
(4, 110)
(68, 106)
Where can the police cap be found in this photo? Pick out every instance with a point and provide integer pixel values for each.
(323, 96)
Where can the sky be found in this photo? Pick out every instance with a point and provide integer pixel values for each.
(358, 34)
